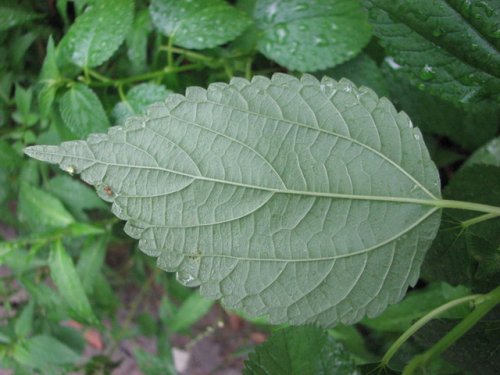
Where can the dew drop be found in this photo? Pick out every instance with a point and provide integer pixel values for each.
(271, 11)
(437, 32)
(301, 7)
(319, 41)
(303, 27)
(281, 33)
(416, 136)
(392, 63)
(427, 73)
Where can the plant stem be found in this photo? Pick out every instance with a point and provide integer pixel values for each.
(423, 321)
(484, 304)
(194, 55)
(477, 219)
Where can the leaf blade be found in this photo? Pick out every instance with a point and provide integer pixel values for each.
(236, 215)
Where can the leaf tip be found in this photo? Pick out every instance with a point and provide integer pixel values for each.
(44, 153)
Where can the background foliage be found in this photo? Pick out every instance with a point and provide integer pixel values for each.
(71, 68)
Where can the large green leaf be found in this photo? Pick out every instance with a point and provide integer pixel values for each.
(96, 34)
(13, 14)
(198, 24)
(448, 47)
(297, 351)
(302, 200)
(305, 37)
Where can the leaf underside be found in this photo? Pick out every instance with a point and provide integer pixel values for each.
(292, 199)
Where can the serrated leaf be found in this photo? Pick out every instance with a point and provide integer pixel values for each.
(450, 49)
(296, 199)
(454, 256)
(82, 111)
(41, 210)
(468, 125)
(198, 24)
(12, 14)
(306, 37)
(63, 272)
(138, 99)
(97, 33)
(299, 350)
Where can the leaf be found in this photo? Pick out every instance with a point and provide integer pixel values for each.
(299, 350)
(63, 272)
(75, 195)
(198, 24)
(454, 256)
(305, 37)
(40, 210)
(82, 111)
(489, 154)
(24, 323)
(9, 158)
(295, 199)
(138, 99)
(91, 261)
(41, 350)
(399, 317)
(468, 125)
(450, 49)
(49, 78)
(192, 310)
(12, 14)
(97, 33)
(137, 41)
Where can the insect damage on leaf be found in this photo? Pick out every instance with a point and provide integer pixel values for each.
(297, 199)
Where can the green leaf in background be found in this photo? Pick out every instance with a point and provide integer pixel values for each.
(191, 310)
(154, 364)
(49, 78)
(468, 125)
(289, 198)
(137, 41)
(97, 33)
(303, 37)
(9, 158)
(489, 154)
(24, 322)
(77, 196)
(13, 14)
(297, 351)
(361, 70)
(91, 261)
(65, 276)
(82, 111)
(468, 255)
(399, 317)
(198, 24)
(139, 98)
(453, 54)
(41, 351)
(41, 210)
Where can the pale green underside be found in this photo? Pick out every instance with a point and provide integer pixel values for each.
(293, 199)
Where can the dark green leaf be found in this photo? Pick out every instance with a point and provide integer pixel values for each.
(308, 37)
(97, 33)
(449, 48)
(488, 154)
(198, 24)
(244, 189)
(297, 351)
(82, 111)
(63, 272)
(9, 158)
(40, 210)
(139, 98)
(454, 256)
(12, 14)
(468, 125)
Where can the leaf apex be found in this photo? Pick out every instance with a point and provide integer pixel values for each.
(44, 153)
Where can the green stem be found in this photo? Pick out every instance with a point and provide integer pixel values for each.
(423, 321)
(470, 206)
(477, 219)
(484, 304)
(194, 55)
(170, 54)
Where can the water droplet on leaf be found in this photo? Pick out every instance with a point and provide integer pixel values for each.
(427, 73)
